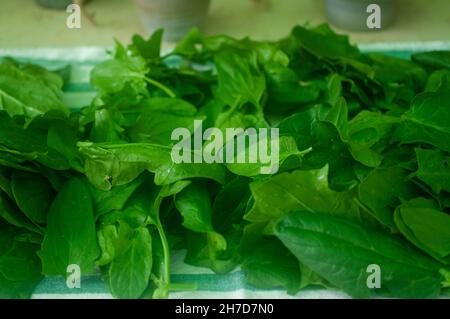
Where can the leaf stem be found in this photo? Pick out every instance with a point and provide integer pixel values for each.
(228, 113)
(364, 208)
(166, 251)
(163, 290)
(160, 86)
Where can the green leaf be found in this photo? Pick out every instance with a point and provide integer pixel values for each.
(240, 88)
(434, 169)
(148, 49)
(210, 250)
(328, 148)
(298, 126)
(286, 149)
(114, 199)
(20, 268)
(286, 90)
(10, 213)
(194, 204)
(427, 120)
(365, 132)
(405, 71)
(433, 59)
(426, 227)
(25, 140)
(268, 264)
(239, 79)
(109, 165)
(299, 190)
(383, 190)
(5, 183)
(62, 141)
(111, 76)
(349, 249)
(338, 115)
(33, 195)
(230, 204)
(107, 237)
(437, 79)
(70, 237)
(129, 273)
(29, 90)
(323, 42)
(107, 126)
(157, 119)
(143, 208)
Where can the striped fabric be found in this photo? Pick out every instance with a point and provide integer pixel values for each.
(79, 93)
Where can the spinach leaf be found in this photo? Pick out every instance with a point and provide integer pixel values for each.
(230, 204)
(32, 194)
(148, 49)
(194, 204)
(109, 165)
(107, 126)
(10, 213)
(29, 90)
(70, 237)
(315, 237)
(157, 119)
(323, 42)
(286, 153)
(20, 268)
(427, 120)
(434, 59)
(240, 88)
(114, 199)
(111, 76)
(267, 263)
(5, 183)
(130, 270)
(23, 140)
(299, 190)
(383, 190)
(434, 169)
(426, 227)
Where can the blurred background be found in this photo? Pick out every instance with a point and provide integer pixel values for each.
(31, 24)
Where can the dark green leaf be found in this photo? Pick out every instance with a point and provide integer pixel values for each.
(349, 249)
(434, 169)
(70, 237)
(129, 273)
(426, 227)
(32, 194)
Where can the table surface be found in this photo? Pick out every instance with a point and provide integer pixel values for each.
(25, 25)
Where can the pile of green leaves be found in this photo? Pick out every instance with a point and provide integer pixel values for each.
(364, 168)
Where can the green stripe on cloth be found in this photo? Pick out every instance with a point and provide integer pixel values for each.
(79, 88)
(93, 283)
(76, 100)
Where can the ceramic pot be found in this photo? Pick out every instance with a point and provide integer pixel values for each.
(54, 4)
(176, 16)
